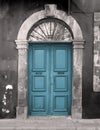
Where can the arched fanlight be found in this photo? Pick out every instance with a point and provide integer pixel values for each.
(50, 29)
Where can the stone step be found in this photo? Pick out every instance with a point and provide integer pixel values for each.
(47, 128)
(49, 123)
(32, 128)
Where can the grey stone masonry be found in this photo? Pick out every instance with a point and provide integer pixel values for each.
(78, 47)
(22, 79)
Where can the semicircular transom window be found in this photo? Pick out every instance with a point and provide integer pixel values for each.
(50, 29)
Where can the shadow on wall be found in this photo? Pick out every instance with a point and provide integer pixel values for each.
(8, 94)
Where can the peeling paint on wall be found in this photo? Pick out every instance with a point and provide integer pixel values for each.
(8, 94)
(7, 98)
(96, 67)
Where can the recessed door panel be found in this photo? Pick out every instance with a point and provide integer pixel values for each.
(60, 103)
(50, 79)
(60, 83)
(39, 59)
(38, 103)
(39, 83)
(60, 59)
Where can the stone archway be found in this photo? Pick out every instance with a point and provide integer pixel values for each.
(22, 46)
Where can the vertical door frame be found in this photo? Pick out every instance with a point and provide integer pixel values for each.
(22, 46)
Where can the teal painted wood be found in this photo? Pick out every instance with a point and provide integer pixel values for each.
(50, 78)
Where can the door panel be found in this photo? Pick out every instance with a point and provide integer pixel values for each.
(39, 59)
(60, 103)
(38, 103)
(39, 83)
(61, 79)
(50, 79)
(60, 59)
(60, 83)
(38, 80)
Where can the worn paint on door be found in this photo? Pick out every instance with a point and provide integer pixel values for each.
(50, 78)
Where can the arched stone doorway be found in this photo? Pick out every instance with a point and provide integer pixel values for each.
(22, 46)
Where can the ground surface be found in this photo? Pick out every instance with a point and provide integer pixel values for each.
(50, 123)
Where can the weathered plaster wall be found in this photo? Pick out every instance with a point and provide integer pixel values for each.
(85, 9)
(85, 5)
(8, 62)
(11, 18)
(96, 66)
(12, 15)
(86, 22)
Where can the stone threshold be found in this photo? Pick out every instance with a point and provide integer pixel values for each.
(49, 123)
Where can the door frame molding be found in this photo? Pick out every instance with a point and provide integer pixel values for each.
(22, 46)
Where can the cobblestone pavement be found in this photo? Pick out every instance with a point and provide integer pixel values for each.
(49, 123)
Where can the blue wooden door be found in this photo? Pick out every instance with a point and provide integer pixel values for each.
(50, 69)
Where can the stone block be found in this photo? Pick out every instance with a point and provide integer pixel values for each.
(21, 112)
(86, 128)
